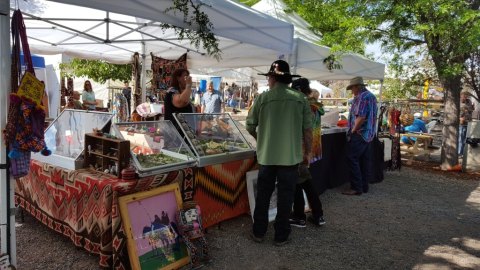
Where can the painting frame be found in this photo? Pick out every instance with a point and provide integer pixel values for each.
(251, 179)
(151, 243)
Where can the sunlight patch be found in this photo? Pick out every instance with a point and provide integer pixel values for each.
(474, 198)
(451, 256)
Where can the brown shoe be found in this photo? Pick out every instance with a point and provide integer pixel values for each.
(351, 192)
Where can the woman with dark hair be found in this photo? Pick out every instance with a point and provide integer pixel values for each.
(88, 96)
(177, 99)
(305, 181)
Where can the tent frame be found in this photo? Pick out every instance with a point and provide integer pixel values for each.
(102, 40)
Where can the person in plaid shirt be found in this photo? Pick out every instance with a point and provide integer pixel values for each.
(361, 131)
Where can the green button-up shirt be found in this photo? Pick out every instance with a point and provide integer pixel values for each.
(281, 115)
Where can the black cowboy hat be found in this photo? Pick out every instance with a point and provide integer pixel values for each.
(279, 68)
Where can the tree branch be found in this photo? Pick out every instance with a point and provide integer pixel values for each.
(413, 40)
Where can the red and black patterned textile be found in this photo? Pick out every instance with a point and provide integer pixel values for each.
(82, 205)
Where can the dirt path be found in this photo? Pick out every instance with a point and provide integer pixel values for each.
(412, 220)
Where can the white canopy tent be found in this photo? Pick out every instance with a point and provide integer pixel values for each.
(324, 90)
(114, 34)
(307, 57)
(95, 34)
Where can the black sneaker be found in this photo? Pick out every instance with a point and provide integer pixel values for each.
(256, 239)
(281, 243)
(319, 222)
(300, 223)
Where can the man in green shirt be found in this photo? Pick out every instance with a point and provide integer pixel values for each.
(280, 120)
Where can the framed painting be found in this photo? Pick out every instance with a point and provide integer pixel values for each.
(252, 177)
(149, 219)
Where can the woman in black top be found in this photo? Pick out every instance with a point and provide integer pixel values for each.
(177, 99)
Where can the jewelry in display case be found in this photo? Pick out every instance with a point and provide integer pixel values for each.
(155, 147)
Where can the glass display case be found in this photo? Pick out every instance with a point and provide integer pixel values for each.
(65, 137)
(155, 147)
(214, 138)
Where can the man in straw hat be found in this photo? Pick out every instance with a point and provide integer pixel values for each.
(361, 131)
(279, 119)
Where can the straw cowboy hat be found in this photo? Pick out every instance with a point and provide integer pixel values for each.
(355, 81)
(279, 68)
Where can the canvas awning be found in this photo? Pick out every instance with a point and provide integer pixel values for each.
(307, 57)
(92, 33)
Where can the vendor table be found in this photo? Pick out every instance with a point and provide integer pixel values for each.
(332, 170)
(83, 204)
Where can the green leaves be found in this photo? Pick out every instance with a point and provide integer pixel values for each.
(203, 33)
(97, 70)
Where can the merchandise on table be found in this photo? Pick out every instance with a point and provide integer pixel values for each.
(214, 138)
(155, 147)
(106, 154)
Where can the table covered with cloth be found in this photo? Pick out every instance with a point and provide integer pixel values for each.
(82, 205)
(332, 170)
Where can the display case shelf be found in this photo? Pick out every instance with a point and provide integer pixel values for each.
(214, 138)
(106, 154)
(155, 147)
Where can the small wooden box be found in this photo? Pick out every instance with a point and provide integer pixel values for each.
(104, 153)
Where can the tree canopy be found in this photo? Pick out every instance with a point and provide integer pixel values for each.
(448, 31)
(97, 70)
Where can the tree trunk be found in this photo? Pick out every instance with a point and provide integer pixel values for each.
(449, 155)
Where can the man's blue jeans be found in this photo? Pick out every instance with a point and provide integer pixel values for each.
(286, 178)
(462, 137)
(359, 161)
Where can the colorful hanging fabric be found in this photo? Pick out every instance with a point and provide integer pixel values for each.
(24, 129)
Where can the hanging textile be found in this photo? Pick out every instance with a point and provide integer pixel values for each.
(137, 87)
(119, 108)
(26, 116)
(162, 71)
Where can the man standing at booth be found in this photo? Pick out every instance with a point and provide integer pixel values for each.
(361, 131)
(212, 101)
(279, 119)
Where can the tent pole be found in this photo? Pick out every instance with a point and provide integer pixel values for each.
(144, 73)
(7, 218)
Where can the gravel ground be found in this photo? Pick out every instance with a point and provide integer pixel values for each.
(413, 220)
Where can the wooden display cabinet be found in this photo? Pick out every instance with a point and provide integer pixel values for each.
(102, 154)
